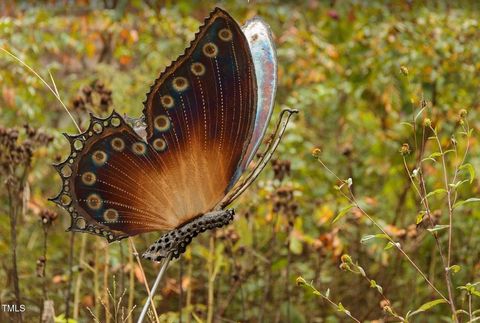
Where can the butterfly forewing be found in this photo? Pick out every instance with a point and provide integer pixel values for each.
(209, 97)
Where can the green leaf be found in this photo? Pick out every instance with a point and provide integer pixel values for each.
(438, 227)
(407, 124)
(457, 184)
(436, 154)
(342, 213)
(470, 200)
(437, 191)
(389, 246)
(419, 113)
(419, 218)
(455, 269)
(470, 169)
(373, 236)
(427, 306)
(449, 151)
(296, 245)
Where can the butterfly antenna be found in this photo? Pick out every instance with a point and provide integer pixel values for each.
(162, 271)
(272, 146)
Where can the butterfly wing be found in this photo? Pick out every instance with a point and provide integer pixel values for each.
(209, 95)
(264, 56)
(199, 117)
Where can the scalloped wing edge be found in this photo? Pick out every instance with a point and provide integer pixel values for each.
(64, 198)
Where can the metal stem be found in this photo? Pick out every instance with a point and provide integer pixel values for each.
(166, 261)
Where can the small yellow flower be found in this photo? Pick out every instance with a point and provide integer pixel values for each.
(404, 70)
(427, 122)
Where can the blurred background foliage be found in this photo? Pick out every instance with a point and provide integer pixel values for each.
(340, 65)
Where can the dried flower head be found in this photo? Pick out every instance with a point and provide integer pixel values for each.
(48, 216)
(384, 303)
(405, 149)
(281, 168)
(316, 152)
(404, 70)
(344, 266)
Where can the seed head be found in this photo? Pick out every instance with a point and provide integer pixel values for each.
(405, 149)
(404, 70)
(344, 266)
(463, 113)
(316, 152)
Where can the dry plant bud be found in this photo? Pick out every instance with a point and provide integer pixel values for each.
(405, 149)
(300, 281)
(316, 152)
(384, 303)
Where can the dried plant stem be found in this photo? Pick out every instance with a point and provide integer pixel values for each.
(351, 198)
(70, 275)
(287, 273)
(160, 274)
(106, 299)
(211, 279)
(325, 297)
(189, 287)
(470, 316)
(180, 296)
(13, 211)
(135, 254)
(398, 247)
(131, 282)
(44, 270)
(450, 225)
(96, 287)
(359, 270)
(54, 90)
(78, 283)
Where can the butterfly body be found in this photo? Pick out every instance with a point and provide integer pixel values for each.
(174, 168)
(175, 241)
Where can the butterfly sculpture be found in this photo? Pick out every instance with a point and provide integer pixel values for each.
(177, 168)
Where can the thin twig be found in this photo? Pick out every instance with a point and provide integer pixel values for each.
(352, 200)
(54, 91)
(450, 227)
(164, 267)
(135, 254)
